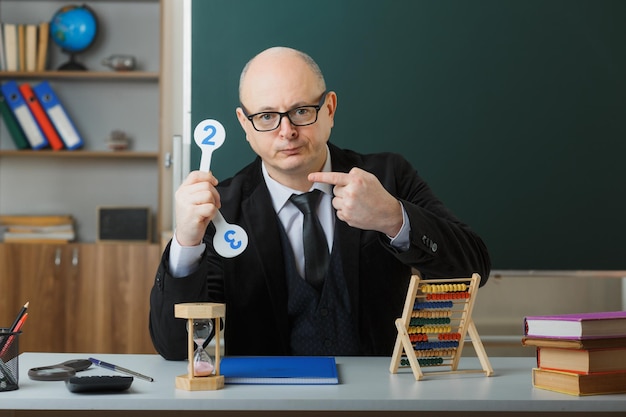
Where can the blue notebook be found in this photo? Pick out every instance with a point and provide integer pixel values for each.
(279, 370)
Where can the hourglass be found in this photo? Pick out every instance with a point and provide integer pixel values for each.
(204, 373)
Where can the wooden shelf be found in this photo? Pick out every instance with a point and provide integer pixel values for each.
(80, 75)
(80, 154)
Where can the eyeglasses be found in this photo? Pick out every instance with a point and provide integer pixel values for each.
(270, 120)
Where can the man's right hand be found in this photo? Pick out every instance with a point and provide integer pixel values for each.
(197, 202)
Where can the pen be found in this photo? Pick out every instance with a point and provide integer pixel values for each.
(112, 367)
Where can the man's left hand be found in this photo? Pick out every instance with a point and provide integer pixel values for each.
(362, 201)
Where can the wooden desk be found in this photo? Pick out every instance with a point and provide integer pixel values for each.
(366, 388)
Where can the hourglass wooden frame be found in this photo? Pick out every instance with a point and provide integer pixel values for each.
(441, 308)
(191, 312)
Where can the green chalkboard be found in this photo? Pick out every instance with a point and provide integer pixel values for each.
(513, 111)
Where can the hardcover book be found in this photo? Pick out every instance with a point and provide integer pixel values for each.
(583, 361)
(579, 384)
(21, 47)
(41, 221)
(10, 46)
(3, 62)
(279, 370)
(30, 47)
(577, 326)
(612, 342)
(42, 46)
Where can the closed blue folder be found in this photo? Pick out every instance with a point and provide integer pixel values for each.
(58, 115)
(23, 115)
(279, 370)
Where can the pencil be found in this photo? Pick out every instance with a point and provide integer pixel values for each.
(19, 316)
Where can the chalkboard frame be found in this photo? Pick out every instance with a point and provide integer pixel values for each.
(516, 108)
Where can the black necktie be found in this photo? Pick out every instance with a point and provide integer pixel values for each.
(316, 255)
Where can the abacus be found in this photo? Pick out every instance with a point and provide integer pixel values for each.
(436, 318)
(191, 312)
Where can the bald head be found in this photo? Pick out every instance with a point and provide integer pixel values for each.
(277, 62)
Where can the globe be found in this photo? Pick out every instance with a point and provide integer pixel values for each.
(73, 28)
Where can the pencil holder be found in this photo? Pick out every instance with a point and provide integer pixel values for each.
(9, 356)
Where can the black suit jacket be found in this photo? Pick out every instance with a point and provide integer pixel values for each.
(253, 284)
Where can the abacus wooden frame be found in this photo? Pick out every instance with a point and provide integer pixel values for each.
(465, 324)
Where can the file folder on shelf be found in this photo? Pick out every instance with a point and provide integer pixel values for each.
(12, 125)
(45, 125)
(57, 114)
(25, 118)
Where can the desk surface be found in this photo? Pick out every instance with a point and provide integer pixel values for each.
(365, 385)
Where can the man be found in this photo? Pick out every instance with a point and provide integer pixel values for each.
(379, 220)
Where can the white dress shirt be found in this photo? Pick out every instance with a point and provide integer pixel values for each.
(184, 260)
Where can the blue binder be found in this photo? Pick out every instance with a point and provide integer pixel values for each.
(58, 116)
(24, 117)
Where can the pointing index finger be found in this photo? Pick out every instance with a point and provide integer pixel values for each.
(334, 178)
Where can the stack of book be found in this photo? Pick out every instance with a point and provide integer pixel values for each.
(579, 354)
(37, 229)
(24, 47)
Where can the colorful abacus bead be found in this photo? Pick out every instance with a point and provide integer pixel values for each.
(449, 336)
(433, 305)
(436, 345)
(430, 361)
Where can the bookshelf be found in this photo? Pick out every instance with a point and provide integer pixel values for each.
(98, 101)
(100, 288)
